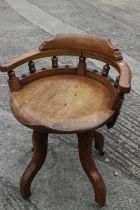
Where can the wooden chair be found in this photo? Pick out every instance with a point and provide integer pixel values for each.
(68, 100)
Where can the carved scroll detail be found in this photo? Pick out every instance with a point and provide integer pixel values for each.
(42, 46)
(83, 42)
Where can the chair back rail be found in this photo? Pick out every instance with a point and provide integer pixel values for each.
(81, 45)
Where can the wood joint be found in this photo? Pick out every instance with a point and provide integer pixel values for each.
(14, 82)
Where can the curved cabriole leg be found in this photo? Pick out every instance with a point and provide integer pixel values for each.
(33, 142)
(85, 154)
(99, 142)
(40, 151)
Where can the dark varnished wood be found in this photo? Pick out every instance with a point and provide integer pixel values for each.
(33, 142)
(105, 71)
(92, 43)
(68, 99)
(85, 153)
(54, 62)
(92, 46)
(81, 66)
(46, 72)
(36, 55)
(120, 66)
(73, 103)
(40, 141)
(32, 68)
(116, 83)
(99, 141)
(117, 106)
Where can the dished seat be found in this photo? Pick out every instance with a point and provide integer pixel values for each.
(64, 103)
(69, 99)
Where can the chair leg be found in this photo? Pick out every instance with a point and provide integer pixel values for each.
(99, 141)
(40, 141)
(32, 142)
(85, 154)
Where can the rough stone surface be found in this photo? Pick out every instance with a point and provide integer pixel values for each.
(61, 183)
(115, 19)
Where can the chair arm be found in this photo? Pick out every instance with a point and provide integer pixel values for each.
(20, 60)
(125, 77)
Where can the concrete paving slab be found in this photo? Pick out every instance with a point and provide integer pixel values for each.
(115, 19)
(62, 184)
(63, 19)
(37, 16)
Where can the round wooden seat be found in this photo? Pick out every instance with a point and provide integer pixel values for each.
(68, 99)
(66, 103)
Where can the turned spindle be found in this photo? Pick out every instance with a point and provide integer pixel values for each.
(105, 71)
(12, 75)
(116, 83)
(32, 68)
(54, 62)
(81, 66)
